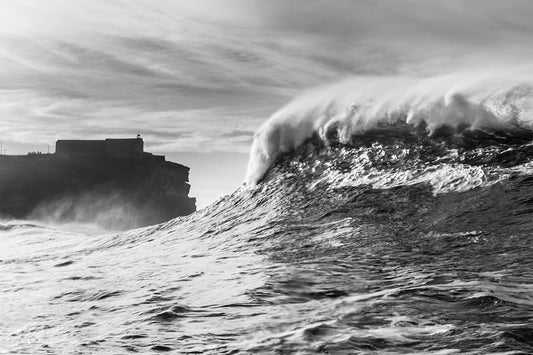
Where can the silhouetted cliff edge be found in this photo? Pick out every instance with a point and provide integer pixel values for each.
(112, 182)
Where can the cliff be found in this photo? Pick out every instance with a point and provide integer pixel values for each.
(115, 190)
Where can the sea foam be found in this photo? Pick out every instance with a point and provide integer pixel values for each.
(482, 99)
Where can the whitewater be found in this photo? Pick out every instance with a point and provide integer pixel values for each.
(380, 215)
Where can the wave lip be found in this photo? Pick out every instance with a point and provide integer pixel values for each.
(498, 104)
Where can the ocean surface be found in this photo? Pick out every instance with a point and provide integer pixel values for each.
(410, 233)
(396, 244)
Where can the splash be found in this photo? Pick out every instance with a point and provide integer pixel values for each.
(490, 99)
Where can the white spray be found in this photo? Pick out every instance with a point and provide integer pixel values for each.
(491, 98)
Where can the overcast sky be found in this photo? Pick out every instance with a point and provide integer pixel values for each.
(196, 78)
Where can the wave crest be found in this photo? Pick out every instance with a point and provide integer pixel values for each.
(492, 100)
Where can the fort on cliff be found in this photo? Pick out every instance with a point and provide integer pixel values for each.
(109, 148)
(113, 181)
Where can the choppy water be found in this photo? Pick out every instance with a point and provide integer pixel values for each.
(392, 246)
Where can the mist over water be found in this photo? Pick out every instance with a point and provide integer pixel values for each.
(109, 212)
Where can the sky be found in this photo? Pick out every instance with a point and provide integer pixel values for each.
(197, 78)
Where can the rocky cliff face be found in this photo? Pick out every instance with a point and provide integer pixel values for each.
(117, 193)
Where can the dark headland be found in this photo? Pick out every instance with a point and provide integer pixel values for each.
(113, 182)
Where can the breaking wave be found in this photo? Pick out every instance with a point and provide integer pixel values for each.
(456, 104)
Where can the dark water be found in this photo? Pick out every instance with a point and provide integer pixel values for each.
(392, 246)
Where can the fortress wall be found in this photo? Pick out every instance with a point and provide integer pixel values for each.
(110, 148)
(124, 148)
(81, 147)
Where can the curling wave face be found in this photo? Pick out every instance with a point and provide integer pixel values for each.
(489, 100)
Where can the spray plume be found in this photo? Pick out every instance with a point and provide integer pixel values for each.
(482, 99)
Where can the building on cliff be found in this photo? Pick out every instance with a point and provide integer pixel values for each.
(109, 148)
(95, 179)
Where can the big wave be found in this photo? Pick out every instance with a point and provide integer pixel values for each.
(491, 100)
